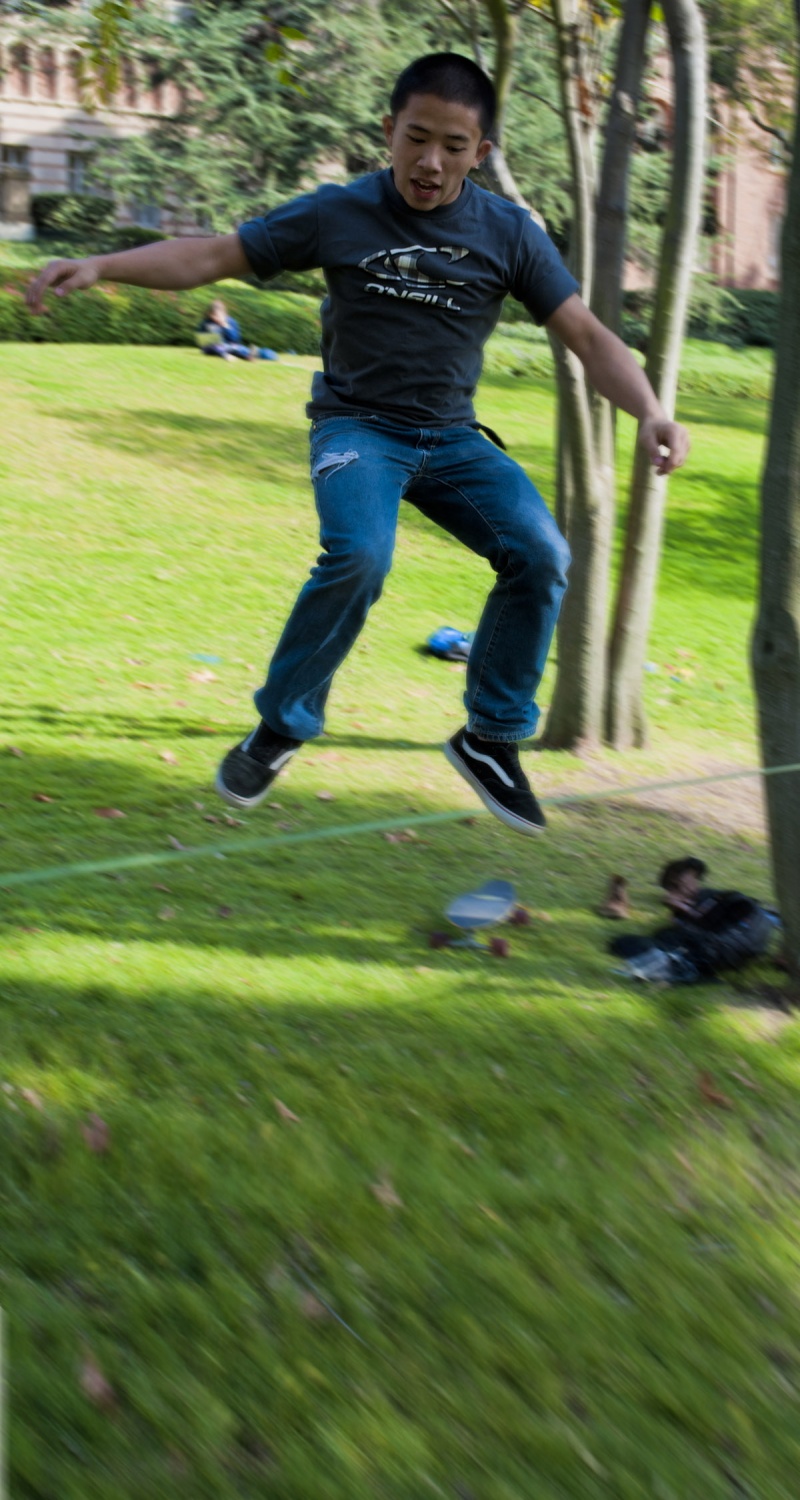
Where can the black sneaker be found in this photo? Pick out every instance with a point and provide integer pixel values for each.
(493, 769)
(249, 769)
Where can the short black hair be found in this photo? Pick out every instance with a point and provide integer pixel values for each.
(448, 75)
(671, 873)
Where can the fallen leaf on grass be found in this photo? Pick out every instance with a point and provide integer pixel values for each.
(174, 843)
(108, 812)
(204, 676)
(224, 911)
(96, 1134)
(711, 1093)
(166, 888)
(13, 750)
(490, 1213)
(747, 1082)
(312, 1308)
(286, 1113)
(401, 836)
(147, 687)
(94, 1383)
(385, 1193)
(31, 1097)
(325, 797)
(210, 818)
(169, 756)
(41, 797)
(166, 914)
(232, 822)
(684, 1161)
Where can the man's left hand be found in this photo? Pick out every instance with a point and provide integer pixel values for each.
(656, 434)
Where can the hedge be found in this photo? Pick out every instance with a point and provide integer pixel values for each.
(80, 214)
(110, 314)
(741, 318)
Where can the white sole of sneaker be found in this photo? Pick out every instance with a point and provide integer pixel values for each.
(510, 819)
(243, 803)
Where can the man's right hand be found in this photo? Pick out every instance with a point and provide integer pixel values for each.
(62, 277)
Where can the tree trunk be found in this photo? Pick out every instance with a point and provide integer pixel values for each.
(776, 641)
(586, 479)
(612, 217)
(625, 718)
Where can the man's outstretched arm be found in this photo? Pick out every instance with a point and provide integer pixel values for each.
(168, 265)
(613, 371)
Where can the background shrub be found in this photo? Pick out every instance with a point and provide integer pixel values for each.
(110, 314)
(67, 214)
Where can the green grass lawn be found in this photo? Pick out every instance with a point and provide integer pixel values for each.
(510, 1248)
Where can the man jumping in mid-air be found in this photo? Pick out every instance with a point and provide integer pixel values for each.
(417, 261)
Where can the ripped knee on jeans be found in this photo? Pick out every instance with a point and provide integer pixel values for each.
(332, 463)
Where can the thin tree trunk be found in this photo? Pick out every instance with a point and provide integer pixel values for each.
(612, 216)
(612, 203)
(586, 479)
(625, 719)
(496, 175)
(776, 641)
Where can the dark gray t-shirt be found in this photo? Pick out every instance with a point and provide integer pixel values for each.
(412, 297)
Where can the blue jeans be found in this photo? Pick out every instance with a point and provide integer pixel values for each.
(361, 468)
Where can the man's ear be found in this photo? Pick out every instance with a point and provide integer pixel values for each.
(482, 152)
(388, 130)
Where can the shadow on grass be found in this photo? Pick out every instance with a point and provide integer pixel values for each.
(110, 726)
(371, 897)
(742, 413)
(183, 440)
(512, 1215)
(697, 538)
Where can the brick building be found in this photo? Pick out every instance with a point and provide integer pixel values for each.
(47, 134)
(746, 196)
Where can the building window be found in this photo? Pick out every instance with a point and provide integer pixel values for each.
(130, 92)
(775, 232)
(14, 156)
(148, 215)
(73, 77)
(19, 72)
(47, 75)
(77, 171)
(156, 93)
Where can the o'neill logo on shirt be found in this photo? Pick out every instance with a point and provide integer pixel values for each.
(399, 273)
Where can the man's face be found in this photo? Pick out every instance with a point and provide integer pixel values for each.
(433, 146)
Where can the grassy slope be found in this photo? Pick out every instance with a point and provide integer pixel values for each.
(587, 1289)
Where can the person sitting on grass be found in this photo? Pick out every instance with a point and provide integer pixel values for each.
(220, 334)
(418, 260)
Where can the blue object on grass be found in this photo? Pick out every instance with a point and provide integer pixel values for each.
(213, 661)
(450, 644)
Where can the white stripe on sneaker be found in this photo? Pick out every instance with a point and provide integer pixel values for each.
(280, 760)
(251, 736)
(487, 760)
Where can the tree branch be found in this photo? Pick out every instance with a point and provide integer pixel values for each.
(456, 15)
(540, 99)
(780, 135)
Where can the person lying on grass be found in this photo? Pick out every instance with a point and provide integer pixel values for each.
(418, 261)
(220, 334)
(712, 931)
